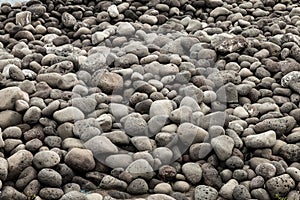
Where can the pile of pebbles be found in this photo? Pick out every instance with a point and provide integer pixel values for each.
(155, 100)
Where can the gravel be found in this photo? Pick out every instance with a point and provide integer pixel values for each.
(149, 99)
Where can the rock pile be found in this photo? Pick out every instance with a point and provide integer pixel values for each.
(156, 100)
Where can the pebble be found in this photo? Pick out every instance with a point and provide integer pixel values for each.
(68, 114)
(280, 185)
(205, 192)
(49, 177)
(18, 162)
(262, 140)
(192, 172)
(45, 159)
(80, 159)
(223, 146)
(138, 186)
(163, 188)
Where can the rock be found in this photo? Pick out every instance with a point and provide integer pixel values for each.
(136, 48)
(51, 193)
(142, 143)
(93, 196)
(18, 162)
(181, 186)
(74, 195)
(134, 124)
(49, 177)
(199, 151)
(164, 154)
(227, 190)
(109, 82)
(125, 29)
(80, 159)
(23, 18)
(205, 192)
(9, 118)
(211, 176)
(290, 152)
(189, 134)
(113, 11)
(192, 172)
(68, 20)
(149, 19)
(226, 43)
(219, 11)
(9, 192)
(3, 169)
(109, 182)
(140, 168)
(280, 185)
(45, 159)
(163, 188)
(37, 10)
(159, 197)
(241, 192)
(138, 186)
(280, 125)
(294, 173)
(266, 170)
(227, 93)
(68, 114)
(26, 177)
(292, 80)
(86, 105)
(11, 94)
(100, 145)
(262, 140)
(118, 161)
(32, 115)
(223, 146)
(161, 107)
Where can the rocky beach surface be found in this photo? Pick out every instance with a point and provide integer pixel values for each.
(150, 100)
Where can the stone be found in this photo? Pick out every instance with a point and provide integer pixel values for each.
(266, 170)
(159, 197)
(294, 173)
(227, 190)
(37, 10)
(280, 185)
(199, 151)
(292, 80)
(192, 172)
(86, 105)
(76, 195)
(110, 182)
(3, 169)
(262, 140)
(241, 192)
(162, 188)
(9, 192)
(10, 118)
(281, 125)
(68, 20)
(68, 114)
(290, 152)
(181, 186)
(205, 192)
(100, 145)
(80, 159)
(18, 162)
(11, 94)
(109, 82)
(45, 159)
(23, 18)
(149, 19)
(93, 196)
(51, 193)
(118, 161)
(226, 43)
(138, 186)
(223, 146)
(189, 133)
(227, 93)
(113, 11)
(134, 124)
(32, 115)
(211, 176)
(125, 29)
(140, 168)
(161, 107)
(49, 177)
